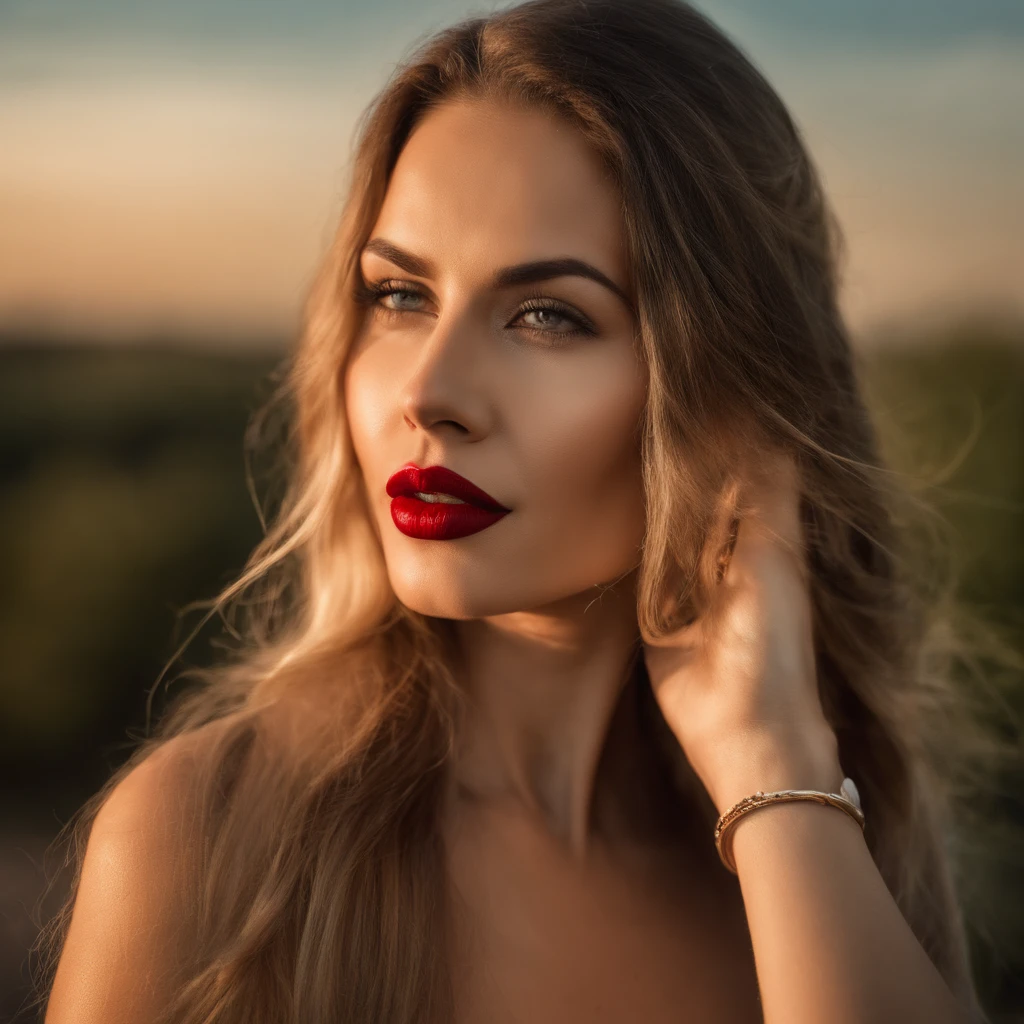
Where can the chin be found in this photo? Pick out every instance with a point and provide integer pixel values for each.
(443, 595)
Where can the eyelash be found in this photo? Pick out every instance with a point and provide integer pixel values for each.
(371, 294)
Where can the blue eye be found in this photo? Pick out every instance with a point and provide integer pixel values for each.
(560, 312)
(397, 291)
(372, 295)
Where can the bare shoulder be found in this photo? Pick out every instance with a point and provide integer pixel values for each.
(152, 809)
(129, 924)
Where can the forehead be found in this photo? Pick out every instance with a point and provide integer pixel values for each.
(481, 183)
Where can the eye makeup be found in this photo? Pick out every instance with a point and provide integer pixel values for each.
(371, 294)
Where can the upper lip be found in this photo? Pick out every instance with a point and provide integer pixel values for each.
(439, 480)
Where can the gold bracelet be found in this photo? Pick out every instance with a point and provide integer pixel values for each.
(847, 799)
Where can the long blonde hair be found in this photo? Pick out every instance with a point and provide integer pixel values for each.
(319, 890)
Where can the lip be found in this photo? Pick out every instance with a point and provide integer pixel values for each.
(428, 520)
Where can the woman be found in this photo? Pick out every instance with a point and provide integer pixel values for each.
(588, 540)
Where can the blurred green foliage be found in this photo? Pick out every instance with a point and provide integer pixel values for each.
(950, 411)
(122, 499)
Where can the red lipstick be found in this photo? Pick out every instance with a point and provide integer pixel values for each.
(435, 516)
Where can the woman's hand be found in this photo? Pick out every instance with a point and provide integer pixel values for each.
(738, 685)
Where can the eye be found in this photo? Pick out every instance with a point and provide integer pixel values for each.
(403, 300)
(373, 295)
(559, 311)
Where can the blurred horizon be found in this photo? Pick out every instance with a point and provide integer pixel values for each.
(171, 176)
(176, 170)
(124, 500)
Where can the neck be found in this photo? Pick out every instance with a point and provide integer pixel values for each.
(552, 725)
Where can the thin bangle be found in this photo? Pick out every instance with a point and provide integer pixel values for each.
(847, 799)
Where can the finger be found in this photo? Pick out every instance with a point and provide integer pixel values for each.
(730, 545)
(725, 530)
(769, 514)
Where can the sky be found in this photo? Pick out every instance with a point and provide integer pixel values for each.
(179, 168)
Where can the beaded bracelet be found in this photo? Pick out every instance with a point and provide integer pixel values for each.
(847, 799)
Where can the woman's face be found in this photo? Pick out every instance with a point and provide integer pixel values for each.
(528, 386)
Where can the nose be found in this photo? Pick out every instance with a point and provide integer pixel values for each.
(447, 382)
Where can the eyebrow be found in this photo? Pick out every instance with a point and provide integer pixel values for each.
(506, 277)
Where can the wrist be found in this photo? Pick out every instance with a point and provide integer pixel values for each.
(766, 762)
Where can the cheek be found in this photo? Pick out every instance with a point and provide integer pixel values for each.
(588, 484)
(366, 396)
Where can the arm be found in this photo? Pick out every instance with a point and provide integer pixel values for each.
(739, 688)
(830, 943)
(126, 939)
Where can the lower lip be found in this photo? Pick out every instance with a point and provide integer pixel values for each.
(435, 520)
